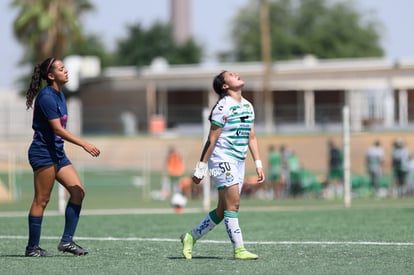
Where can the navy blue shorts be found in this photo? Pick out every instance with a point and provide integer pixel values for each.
(40, 155)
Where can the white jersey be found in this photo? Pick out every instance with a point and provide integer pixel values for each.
(375, 157)
(236, 120)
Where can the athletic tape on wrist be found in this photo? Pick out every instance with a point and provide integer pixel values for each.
(258, 163)
(200, 170)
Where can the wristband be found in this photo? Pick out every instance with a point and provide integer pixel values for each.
(258, 163)
(200, 170)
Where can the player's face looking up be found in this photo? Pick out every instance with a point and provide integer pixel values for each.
(232, 81)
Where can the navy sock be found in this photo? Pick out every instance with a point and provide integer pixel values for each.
(71, 221)
(35, 227)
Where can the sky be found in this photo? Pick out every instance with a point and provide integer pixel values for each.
(210, 26)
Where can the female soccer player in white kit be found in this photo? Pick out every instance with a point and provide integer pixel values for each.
(231, 135)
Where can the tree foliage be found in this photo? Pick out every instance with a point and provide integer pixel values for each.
(323, 28)
(48, 27)
(141, 46)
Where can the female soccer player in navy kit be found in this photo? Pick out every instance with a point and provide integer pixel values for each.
(231, 135)
(48, 159)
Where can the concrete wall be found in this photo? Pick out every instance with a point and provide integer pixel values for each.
(151, 151)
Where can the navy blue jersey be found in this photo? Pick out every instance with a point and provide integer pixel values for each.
(47, 148)
(49, 104)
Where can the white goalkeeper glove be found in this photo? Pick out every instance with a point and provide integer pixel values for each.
(200, 170)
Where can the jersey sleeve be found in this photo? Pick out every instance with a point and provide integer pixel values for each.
(218, 115)
(49, 107)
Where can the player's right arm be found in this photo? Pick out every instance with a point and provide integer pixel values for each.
(202, 166)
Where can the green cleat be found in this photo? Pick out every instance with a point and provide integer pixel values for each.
(188, 242)
(242, 254)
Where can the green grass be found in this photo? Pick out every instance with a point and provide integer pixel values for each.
(291, 236)
(114, 189)
(104, 189)
(310, 237)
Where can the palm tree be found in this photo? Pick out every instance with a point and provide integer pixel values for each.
(48, 27)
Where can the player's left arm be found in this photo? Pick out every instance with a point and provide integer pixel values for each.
(66, 135)
(254, 150)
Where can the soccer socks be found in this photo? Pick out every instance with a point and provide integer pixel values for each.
(206, 225)
(231, 221)
(35, 227)
(71, 221)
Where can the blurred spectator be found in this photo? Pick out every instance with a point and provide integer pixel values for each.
(335, 169)
(374, 163)
(275, 178)
(184, 185)
(252, 188)
(410, 179)
(400, 162)
(294, 176)
(285, 154)
(175, 166)
(188, 189)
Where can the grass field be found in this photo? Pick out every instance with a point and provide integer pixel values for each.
(290, 237)
(128, 233)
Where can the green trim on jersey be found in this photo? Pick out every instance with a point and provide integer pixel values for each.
(234, 156)
(217, 123)
(236, 120)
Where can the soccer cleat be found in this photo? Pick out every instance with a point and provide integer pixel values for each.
(37, 252)
(242, 254)
(188, 242)
(72, 247)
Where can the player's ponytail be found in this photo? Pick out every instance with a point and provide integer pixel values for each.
(40, 72)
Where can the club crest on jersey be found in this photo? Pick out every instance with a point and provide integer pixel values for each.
(229, 177)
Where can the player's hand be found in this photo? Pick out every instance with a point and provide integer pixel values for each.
(260, 175)
(196, 180)
(199, 172)
(92, 149)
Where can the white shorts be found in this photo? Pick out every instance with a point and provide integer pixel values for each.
(226, 174)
